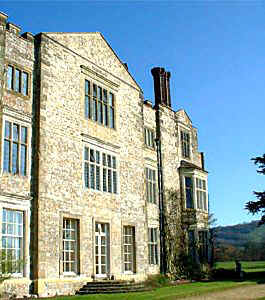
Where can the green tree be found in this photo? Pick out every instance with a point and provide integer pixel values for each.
(258, 206)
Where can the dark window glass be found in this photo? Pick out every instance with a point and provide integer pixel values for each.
(14, 158)
(24, 83)
(10, 78)
(7, 151)
(189, 196)
(7, 129)
(23, 159)
(17, 80)
(102, 109)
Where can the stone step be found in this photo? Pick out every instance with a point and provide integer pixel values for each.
(99, 282)
(113, 287)
(99, 291)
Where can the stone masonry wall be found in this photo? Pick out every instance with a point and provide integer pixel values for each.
(19, 52)
(63, 134)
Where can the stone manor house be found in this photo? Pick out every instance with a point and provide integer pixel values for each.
(85, 162)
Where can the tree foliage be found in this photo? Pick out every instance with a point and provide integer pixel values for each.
(258, 206)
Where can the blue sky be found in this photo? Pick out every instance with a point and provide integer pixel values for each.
(215, 52)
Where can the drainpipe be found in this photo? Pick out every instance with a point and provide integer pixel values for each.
(160, 195)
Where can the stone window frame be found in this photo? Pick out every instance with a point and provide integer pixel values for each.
(153, 255)
(99, 103)
(108, 150)
(194, 174)
(149, 138)
(185, 143)
(13, 202)
(78, 219)
(24, 121)
(21, 70)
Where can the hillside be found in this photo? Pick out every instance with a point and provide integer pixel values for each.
(243, 241)
(236, 235)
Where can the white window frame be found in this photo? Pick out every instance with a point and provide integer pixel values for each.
(76, 245)
(12, 203)
(193, 175)
(199, 192)
(127, 244)
(153, 246)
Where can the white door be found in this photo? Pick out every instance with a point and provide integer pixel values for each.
(102, 249)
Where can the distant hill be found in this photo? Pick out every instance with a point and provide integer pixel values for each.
(235, 235)
(243, 241)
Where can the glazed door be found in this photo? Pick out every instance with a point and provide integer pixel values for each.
(102, 249)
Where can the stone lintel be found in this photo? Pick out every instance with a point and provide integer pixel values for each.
(14, 196)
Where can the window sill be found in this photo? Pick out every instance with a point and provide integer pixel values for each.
(149, 148)
(86, 189)
(70, 274)
(18, 94)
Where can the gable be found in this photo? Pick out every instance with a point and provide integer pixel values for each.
(183, 117)
(94, 47)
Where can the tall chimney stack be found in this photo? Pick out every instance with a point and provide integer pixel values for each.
(161, 86)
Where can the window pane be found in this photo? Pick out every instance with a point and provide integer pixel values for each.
(10, 78)
(97, 178)
(94, 91)
(109, 181)
(92, 155)
(188, 182)
(105, 96)
(114, 162)
(95, 110)
(15, 158)
(24, 134)
(15, 132)
(92, 176)
(87, 107)
(109, 161)
(111, 117)
(100, 113)
(24, 83)
(114, 182)
(23, 159)
(87, 87)
(189, 200)
(17, 80)
(86, 153)
(97, 157)
(99, 93)
(104, 159)
(7, 129)
(104, 180)
(106, 117)
(7, 156)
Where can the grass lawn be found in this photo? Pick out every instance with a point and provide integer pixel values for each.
(247, 266)
(165, 293)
